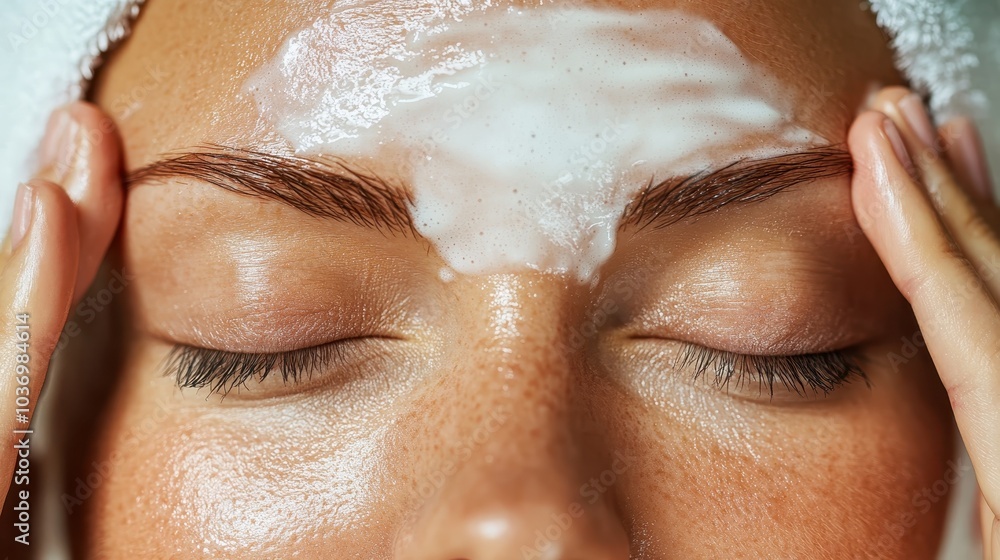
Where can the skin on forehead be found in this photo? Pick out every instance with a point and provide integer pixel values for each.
(190, 65)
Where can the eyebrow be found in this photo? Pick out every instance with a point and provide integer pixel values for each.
(742, 182)
(328, 188)
(335, 189)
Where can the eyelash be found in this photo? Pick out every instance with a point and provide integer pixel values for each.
(804, 374)
(224, 371)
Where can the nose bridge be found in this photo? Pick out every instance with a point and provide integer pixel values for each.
(523, 342)
(521, 370)
(528, 489)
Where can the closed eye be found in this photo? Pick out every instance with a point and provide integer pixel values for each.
(223, 371)
(806, 375)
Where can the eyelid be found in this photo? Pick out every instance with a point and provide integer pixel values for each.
(222, 371)
(805, 375)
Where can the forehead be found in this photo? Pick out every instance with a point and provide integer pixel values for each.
(179, 81)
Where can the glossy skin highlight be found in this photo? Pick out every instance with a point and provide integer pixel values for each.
(477, 423)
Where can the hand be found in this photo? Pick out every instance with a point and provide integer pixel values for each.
(923, 198)
(63, 223)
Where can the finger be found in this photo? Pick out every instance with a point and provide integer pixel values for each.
(968, 225)
(987, 522)
(964, 149)
(958, 316)
(81, 152)
(991, 544)
(38, 280)
(995, 539)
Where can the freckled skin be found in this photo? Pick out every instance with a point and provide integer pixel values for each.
(487, 431)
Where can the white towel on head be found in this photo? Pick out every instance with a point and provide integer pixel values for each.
(48, 51)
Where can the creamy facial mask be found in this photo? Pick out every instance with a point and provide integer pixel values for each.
(524, 132)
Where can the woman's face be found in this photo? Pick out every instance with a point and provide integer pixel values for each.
(509, 415)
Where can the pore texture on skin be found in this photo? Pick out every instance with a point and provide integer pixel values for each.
(718, 388)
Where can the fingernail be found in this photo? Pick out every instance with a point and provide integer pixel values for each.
(972, 159)
(58, 144)
(912, 108)
(23, 203)
(898, 146)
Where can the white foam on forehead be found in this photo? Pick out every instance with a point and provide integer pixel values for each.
(526, 132)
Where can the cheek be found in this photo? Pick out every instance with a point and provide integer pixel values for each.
(204, 480)
(713, 476)
(702, 474)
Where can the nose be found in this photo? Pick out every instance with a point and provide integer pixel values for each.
(541, 482)
(493, 512)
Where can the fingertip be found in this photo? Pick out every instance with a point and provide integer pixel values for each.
(91, 116)
(877, 164)
(865, 128)
(887, 99)
(95, 167)
(92, 181)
